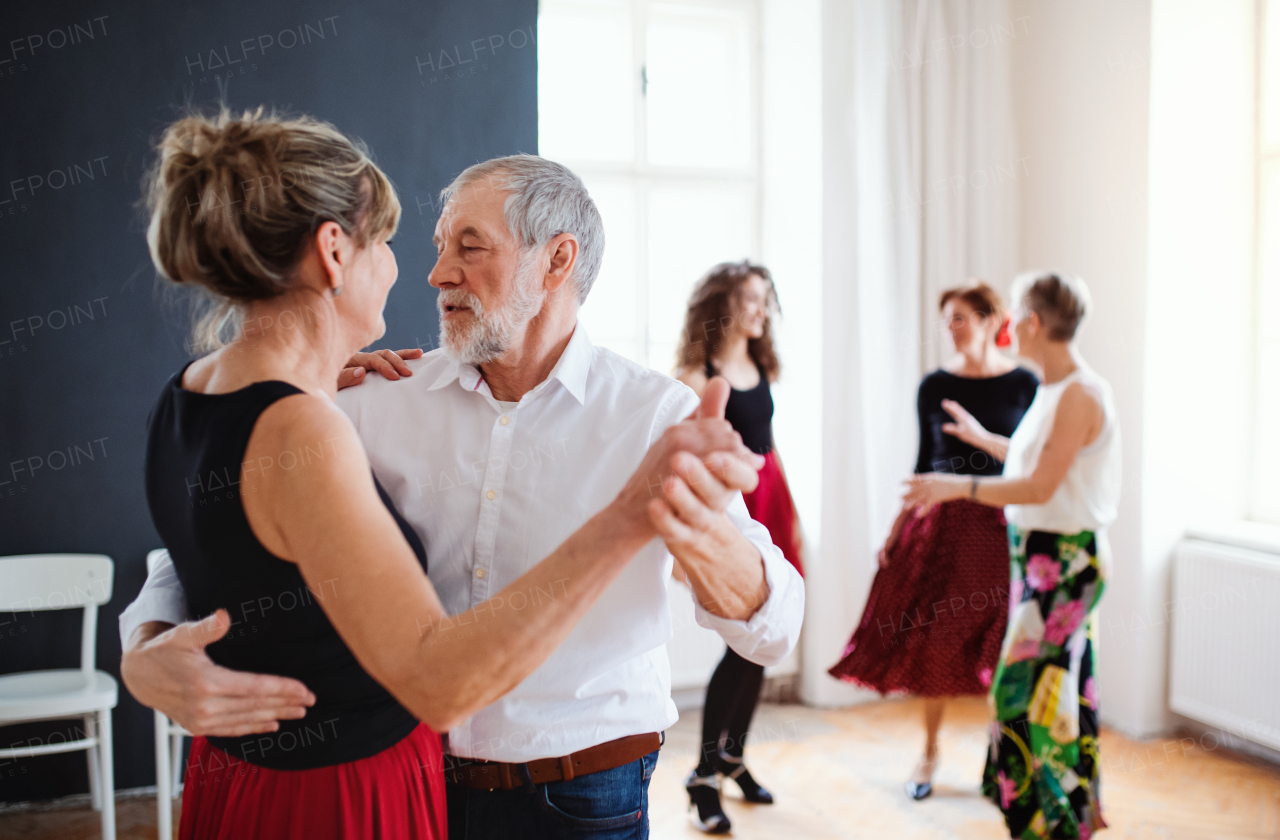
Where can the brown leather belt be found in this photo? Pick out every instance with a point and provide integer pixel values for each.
(490, 775)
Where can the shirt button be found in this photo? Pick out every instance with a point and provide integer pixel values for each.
(491, 495)
(504, 420)
(480, 573)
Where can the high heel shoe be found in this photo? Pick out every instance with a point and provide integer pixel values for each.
(704, 801)
(920, 790)
(733, 768)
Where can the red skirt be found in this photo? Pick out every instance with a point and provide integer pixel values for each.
(770, 504)
(397, 793)
(936, 615)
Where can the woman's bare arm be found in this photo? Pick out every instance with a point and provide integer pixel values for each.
(1077, 422)
(373, 590)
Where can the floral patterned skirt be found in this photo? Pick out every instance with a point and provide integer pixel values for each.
(1042, 769)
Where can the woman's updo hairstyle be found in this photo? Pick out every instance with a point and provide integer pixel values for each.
(1061, 300)
(234, 201)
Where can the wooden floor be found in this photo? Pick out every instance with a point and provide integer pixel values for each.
(839, 774)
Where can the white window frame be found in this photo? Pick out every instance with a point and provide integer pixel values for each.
(644, 175)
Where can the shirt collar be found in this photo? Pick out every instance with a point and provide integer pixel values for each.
(571, 369)
(574, 364)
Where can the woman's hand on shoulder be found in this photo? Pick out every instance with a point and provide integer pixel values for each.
(389, 363)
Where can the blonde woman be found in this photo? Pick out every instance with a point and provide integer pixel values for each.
(1060, 490)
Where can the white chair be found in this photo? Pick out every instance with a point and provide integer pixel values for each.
(34, 582)
(169, 735)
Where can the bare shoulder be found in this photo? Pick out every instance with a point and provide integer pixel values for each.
(694, 378)
(1082, 408)
(1085, 397)
(304, 429)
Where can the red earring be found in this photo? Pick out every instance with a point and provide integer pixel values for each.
(1003, 338)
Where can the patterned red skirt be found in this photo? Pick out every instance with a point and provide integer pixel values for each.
(770, 504)
(398, 793)
(936, 615)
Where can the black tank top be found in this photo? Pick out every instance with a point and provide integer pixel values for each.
(750, 413)
(195, 449)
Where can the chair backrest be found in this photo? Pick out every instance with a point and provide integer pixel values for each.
(38, 582)
(155, 557)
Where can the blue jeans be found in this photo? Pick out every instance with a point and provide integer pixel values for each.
(609, 805)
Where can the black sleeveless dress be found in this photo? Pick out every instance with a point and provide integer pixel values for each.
(750, 412)
(195, 452)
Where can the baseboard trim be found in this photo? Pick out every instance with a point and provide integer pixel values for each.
(75, 800)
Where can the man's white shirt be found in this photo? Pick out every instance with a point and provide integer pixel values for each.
(493, 488)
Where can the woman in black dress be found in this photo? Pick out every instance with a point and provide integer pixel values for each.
(935, 617)
(727, 334)
(262, 492)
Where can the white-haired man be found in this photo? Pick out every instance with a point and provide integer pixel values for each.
(502, 444)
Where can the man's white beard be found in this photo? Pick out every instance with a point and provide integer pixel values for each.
(487, 335)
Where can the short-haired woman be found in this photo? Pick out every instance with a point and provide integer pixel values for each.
(935, 615)
(288, 222)
(727, 333)
(1060, 490)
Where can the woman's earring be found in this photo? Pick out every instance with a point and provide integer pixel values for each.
(337, 290)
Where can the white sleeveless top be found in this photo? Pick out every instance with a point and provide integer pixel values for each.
(1088, 497)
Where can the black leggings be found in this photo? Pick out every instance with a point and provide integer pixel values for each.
(732, 696)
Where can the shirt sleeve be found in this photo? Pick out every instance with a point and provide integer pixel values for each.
(770, 635)
(161, 599)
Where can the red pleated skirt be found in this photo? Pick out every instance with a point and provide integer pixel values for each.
(398, 793)
(935, 618)
(771, 505)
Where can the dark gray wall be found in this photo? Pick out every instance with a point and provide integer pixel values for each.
(86, 337)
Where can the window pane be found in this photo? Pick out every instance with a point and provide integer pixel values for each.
(699, 92)
(1267, 443)
(691, 228)
(1271, 83)
(612, 314)
(587, 78)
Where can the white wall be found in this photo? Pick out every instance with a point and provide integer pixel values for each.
(1197, 438)
(1133, 116)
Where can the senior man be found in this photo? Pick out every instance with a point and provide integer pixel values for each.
(496, 448)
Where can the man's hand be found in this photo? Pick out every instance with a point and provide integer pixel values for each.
(702, 434)
(389, 363)
(724, 570)
(169, 670)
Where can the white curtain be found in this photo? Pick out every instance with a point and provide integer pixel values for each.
(919, 193)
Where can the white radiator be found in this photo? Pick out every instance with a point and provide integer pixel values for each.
(1225, 648)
